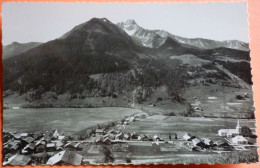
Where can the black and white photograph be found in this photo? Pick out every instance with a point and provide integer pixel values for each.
(127, 83)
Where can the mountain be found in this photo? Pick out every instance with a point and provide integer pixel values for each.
(17, 48)
(154, 38)
(98, 64)
(99, 34)
(96, 46)
(146, 38)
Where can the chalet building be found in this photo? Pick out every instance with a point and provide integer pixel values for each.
(20, 160)
(99, 131)
(126, 137)
(40, 148)
(230, 132)
(72, 145)
(50, 147)
(107, 140)
(143, 137)
(28, 140)
(55, 135)
(207, 141)
(188, 137)
(119, 136)
(221, 146)
(196, 141)
(157, 138)
(30, 148)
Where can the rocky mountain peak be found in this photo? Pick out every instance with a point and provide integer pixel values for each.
(130, 22)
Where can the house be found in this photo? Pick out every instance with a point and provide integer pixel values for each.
(7, 136)
(28, 140)
(222, 146)
(47, 138)
(188, 137)
(17, 136)
(198, 109)
(107, 140)
(207, 141)
(60, 149)
(119, 136)
(196, 141)
(157, 138)
(72, 145)
(8, 159)
(55, 135)
(39, 148)
(111, 131)
(50, 147)
(150, 138)
(24, 134)
(14, 148)
(59, 144)
(98, 138)
(99, 131)
(239, 140)
(230, 132)
(199, 143)
(20, 160)
(132, 119)
(29, 148)
(94, 149)
(111, 136)
(219, 143)
(38, 142)
(61, 137)
(144, 137)
(126, 137)
(37, 136)
(65, 157)
(133, 135)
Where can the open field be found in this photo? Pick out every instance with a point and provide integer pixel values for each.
(220, 101)
(66, 119)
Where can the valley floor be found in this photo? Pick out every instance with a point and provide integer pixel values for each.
(137, 137)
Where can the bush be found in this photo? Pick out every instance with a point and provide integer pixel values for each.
(239, 97)
(159, 99)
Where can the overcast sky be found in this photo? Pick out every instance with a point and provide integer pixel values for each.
(26, 22)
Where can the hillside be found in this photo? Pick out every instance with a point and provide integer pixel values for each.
(17, 48)
(98, 64)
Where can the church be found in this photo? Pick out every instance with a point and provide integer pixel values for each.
(230, 132)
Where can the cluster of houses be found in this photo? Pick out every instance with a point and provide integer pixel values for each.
(234, 134)
(201, 144)
(25, 148)
(234, 137)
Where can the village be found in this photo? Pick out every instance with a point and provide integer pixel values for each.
(113, 145)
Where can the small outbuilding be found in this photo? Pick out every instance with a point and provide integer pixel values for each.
(65, 157)
(239, 140)
(20, 160)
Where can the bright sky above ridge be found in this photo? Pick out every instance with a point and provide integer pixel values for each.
(41, 22)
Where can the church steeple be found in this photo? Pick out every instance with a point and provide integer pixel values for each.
(238, 127)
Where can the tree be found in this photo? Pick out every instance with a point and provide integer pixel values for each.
(245, 131)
